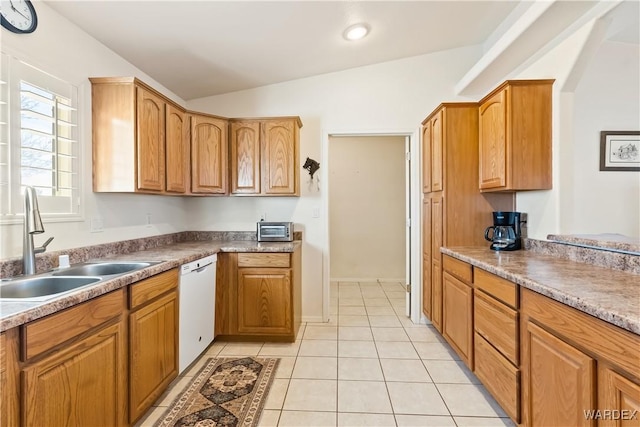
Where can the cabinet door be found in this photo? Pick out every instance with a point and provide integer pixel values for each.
(436, 152)
(436, 269)
(559, 381)
(264, 301)
(9, 379)
(208, 155)
(83, 385)
(493, 141)
(620, 395)
(177, 150)
(245, 157)
(150, 141)
(426, 157)
(426, 258)
(153, 343)
(279, 171)
(457, 316)
(436, 294)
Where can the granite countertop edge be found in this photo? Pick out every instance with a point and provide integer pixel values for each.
(16, 313)
(587, 303)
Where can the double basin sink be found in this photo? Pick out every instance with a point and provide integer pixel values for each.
(47, 285)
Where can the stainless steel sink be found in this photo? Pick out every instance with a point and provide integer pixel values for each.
(102, 269)
(43, 287)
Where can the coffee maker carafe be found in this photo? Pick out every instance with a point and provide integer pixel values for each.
(505, 234)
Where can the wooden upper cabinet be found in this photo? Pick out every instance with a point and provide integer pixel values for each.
(178, 162)
(150, 140)
(436, 152)
(426, 156)
(140, 139)
(515, 136)
(208, 154)
(432, 152)
(280, 173)
(245, 157)
(264, 156)
(493, 134)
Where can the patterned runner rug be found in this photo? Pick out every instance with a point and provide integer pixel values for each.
(226, 392)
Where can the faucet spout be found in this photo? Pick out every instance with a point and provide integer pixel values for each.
(32, 225)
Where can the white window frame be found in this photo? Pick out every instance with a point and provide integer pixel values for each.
(13, 72)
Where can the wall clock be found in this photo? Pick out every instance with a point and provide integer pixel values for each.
(18, 16)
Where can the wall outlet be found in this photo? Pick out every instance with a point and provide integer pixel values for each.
(263, 216)
(148, 220)
(96, 224)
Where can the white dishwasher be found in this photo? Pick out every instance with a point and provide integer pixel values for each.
(197, 308)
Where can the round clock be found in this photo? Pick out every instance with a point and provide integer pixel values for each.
(18, 16)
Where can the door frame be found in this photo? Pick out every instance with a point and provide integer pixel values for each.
(414, 258)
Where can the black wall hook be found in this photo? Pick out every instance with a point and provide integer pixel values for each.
(311, 166)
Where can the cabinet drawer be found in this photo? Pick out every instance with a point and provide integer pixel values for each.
(457, 268)
(44, 334)
(264, 259)
(148, 289)
(498, 324)
(499, 376)
(497, 287)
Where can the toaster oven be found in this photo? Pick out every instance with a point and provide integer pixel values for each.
(275, 231)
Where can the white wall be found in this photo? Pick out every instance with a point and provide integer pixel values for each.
(585, 200)
(607, 98)
(384, 98)
(367, 208)
(65, 51)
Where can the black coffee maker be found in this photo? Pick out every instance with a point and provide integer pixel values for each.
(506, 233)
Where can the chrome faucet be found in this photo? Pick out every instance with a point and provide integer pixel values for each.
(32, 225)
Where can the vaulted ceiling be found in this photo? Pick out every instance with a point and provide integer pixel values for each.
(203, 48)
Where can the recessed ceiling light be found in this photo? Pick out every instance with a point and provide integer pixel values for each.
(356, 32)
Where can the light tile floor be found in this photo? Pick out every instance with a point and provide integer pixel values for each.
(369, 366)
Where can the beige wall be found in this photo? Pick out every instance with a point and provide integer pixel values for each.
(367, 208)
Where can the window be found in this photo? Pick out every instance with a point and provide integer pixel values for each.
(38, 141)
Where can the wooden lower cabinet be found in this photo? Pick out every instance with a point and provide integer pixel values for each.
(620, 396)
(500, 377)
(84, 384)
(9, 379)
(259, 296)
(576, 369)
(560, 381)
(457, 322)
(153, 361)
(436, 294)
(264, 301)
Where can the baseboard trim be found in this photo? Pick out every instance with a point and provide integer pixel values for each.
(366, 279)
(313, 319)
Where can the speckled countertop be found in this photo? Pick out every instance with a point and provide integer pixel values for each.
(608, 294)
(13, 314)
(616, 242)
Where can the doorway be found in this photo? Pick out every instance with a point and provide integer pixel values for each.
(368, 206)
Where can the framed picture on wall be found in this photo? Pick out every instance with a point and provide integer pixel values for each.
(620, 150)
